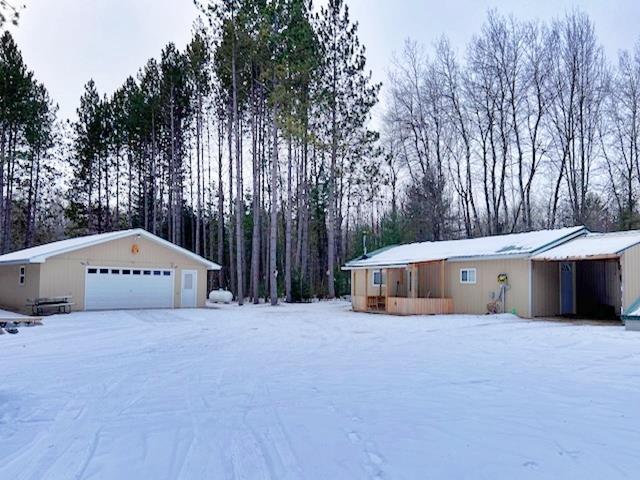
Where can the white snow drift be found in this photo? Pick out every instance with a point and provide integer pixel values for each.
(317, 392)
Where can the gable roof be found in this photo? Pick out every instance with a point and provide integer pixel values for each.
(514, 245)
(592, 245)
(41, 253)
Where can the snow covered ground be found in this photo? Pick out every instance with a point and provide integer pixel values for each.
(317, 392)
(7, 315)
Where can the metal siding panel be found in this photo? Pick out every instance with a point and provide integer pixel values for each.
(545, 289)
(473, 298)
(630, 263)
(13, 295)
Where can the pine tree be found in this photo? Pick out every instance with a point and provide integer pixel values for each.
(347, 96)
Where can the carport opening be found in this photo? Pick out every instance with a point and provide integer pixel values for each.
(591, 289)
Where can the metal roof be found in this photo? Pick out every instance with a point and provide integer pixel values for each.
(592, 246)
(516, 245)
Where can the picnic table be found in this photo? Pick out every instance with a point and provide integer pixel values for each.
(61, 304)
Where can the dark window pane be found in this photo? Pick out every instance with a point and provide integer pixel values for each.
(147, 272)
(156, 273)
(115, 271)
(104, 270)
(136, 272)
(166, 273)
(93, 270)
(126, 272)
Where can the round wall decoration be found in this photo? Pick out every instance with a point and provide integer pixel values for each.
(135, 248)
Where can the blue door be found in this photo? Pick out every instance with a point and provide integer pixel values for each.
(566, 288)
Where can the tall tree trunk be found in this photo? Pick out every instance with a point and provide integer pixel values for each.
(239, 188)
(232, 270)
(273, 235)
(288, 256)
(220, 238)
(255, 235)
(198, 191)
(331, 210)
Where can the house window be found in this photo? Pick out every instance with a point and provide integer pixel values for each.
(468, 275)
(104, 270)
(379, 279)
(93, 270)
(22, 275)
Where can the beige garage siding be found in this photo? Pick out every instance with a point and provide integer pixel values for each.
(116, 253)
(545, 289)
(630, 270)
(473, 298)
(13, 295)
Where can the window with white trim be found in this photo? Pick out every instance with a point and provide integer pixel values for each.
(468, 275)
(22, 275)
(379, 279)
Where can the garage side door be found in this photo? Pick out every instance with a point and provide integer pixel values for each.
(120, 288)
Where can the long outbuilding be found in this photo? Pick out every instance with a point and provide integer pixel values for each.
(545, 273)
(115, 270)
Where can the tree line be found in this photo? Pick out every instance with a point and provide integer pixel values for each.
(531, 127)
(253, 146)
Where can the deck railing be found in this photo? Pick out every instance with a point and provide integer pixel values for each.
(406, 306)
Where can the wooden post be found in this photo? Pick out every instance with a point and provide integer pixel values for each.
(366, 289)
(412, 270)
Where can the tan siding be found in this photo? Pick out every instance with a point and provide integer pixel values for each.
(359, 303)
(13, 295)
(72, 266)
(546, 289)
(630, 263)
(473, 298)
(397, 282)
(362, 286)
(376, 290)
(358, 282)
(429, 275)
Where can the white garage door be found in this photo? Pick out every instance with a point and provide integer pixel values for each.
(113, 288)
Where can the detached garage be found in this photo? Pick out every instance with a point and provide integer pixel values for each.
(117, 270)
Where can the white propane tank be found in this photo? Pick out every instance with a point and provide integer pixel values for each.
(221, 296)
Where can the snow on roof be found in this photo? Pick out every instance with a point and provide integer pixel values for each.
(41, 253)
(634, 311)
(516, 244)
(592, 245)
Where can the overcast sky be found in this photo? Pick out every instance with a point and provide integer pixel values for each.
(67, 42)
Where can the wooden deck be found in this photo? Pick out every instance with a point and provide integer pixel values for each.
(419, 306)
(403, 305)
(7, 317)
